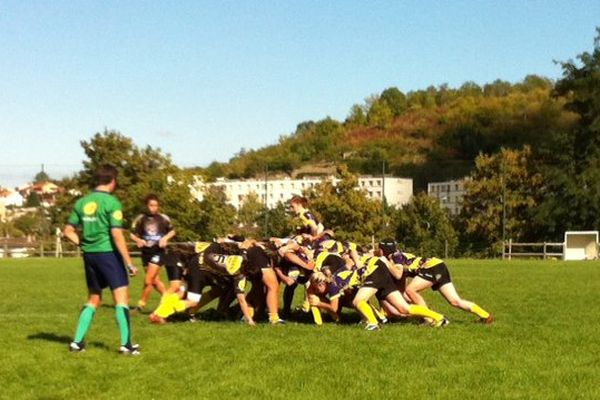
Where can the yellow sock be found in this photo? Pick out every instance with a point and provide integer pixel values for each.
(251, 311)
(421, 311)
(480, 312)
(317, 315)
(273, 317)
(141, 304)
(366, 310)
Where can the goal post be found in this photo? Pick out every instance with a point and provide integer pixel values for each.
(580, 245)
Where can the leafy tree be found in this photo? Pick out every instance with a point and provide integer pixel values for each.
(33, 200)
(380, 114)
(217, 217)
(349, 212)
(423, 226)
(41, 177)
(136, 166)
(395, 100)
(501, 192)
(249, 216)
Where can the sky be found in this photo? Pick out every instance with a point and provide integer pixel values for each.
(203, 79)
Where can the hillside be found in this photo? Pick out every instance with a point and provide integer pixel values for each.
(432, 134)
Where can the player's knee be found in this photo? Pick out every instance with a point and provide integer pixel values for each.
(456, 302)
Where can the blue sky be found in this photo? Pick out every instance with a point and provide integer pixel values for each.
(202, 79)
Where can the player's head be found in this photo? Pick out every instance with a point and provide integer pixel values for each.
(106, 175)
(152, 203)
(318, 282)
(387, 246)
(298, 203)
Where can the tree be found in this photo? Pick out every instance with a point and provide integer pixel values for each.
(570, 159)
(424, 227)
(349, 212)
(33, 200)
(249, 216)
(395, 100)
(41, 177)
(136, 166)
(380, 114)
(217, 217)
(501, 192)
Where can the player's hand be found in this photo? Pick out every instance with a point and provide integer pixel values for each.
(251, 323)
(140, 243)
(288, 281)
(162, 243)
(132, 270)
(314, 300)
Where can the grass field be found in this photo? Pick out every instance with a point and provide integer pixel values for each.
(545, 344)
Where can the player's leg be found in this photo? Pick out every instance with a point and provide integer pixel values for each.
(95, 283)
(397, 301)
(269, 279)
(151, 280)
(361, 303)
(448, 291)
(414, 288)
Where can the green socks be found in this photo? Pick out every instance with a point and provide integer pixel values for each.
(85, 321)
(122, 315)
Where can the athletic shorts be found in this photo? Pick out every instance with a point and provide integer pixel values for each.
(381, 279)
(174, 267)
(104, 270)
(438, 274)
(154, 256)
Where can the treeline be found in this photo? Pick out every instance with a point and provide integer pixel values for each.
(531, 151)
(428, 135)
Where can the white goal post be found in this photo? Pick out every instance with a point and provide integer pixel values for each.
(580, 245)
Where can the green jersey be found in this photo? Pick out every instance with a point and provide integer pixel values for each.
(96, 214)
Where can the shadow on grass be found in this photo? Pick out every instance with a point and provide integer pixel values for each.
(62, 339)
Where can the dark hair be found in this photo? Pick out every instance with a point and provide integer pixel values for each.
(387, 246)
(105, 174)
(151, 197)
(303, 201)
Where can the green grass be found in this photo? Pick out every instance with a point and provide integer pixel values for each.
(544, 344)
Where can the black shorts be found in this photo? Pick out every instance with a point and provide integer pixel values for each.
(104, 270)
(154, 256)
(382, 280)
(438, 274)
(174, 267)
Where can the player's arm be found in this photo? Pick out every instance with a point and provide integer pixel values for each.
(136, 234)
(121, 244)
(71, 234)
(241, 298)
(165, 239)
(394, 269)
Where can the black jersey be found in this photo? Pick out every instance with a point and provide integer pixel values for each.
(151, 228)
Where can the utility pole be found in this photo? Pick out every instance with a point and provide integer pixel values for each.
(266, 230)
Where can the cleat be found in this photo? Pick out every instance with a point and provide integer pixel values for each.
(441, 323)
(278, 322)
(488, 321)
(372, 327)
(76, 347)
(130, 350)
(155, 319)
(193, 319)
(384, 320)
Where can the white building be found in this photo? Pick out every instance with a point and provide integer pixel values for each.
(450, 194)
(397, 191)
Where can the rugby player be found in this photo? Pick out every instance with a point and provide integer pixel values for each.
(430, 273)
(96, 226)
(376, 279)
(151, 232)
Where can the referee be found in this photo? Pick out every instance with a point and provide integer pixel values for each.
(96, 226)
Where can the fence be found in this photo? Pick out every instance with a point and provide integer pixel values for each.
(508, 250)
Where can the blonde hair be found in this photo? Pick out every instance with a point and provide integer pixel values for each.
(318, 277)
